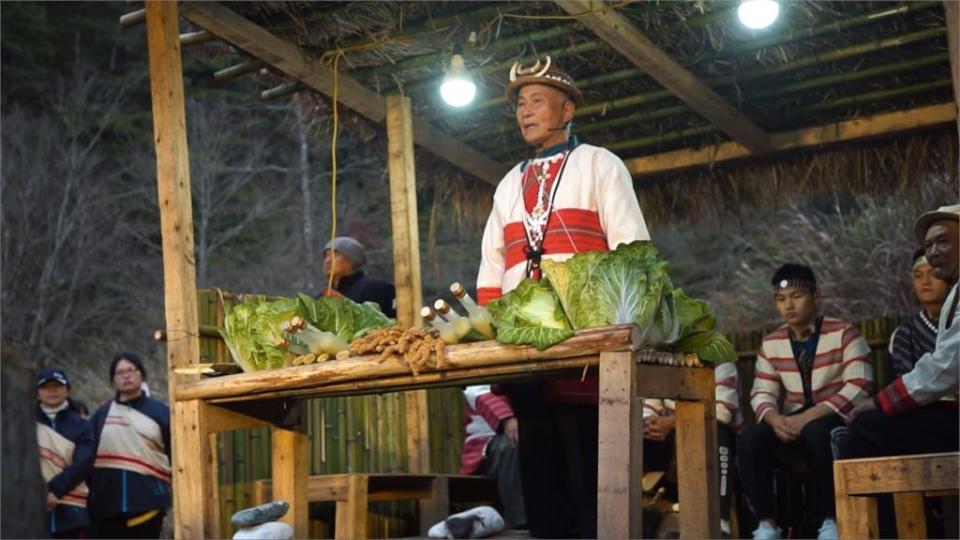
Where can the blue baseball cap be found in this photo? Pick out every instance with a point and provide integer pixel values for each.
(52, 374)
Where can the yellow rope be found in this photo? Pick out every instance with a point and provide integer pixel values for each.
(333, 169)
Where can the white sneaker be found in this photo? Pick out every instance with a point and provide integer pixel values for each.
(827, 531)
(766, 531)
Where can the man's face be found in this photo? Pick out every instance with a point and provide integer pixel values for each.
(542, 114)
(52, 394)
(797, 306)
(127, 377)
(334, 262)
(928, 288)
(940, 247)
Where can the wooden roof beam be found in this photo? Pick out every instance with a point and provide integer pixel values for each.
(951, 9)
(620, 34)
(860, 128)
(288, 58)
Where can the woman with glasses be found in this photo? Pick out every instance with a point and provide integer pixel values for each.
(130, 486)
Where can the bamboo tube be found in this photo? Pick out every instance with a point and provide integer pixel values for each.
(247, 66)
(879, 95)
(205, 331)
(282, 90)
(483, 353)
(128, 20)
(195, 38)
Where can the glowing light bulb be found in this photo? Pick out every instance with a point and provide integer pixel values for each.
(758, 14)
(457, 88)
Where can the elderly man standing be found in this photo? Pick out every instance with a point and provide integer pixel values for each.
(908, 416)
(568, 198)
(343, 260)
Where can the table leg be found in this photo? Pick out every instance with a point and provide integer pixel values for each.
(911, 517)
(351, 519)
(290, 472)
(620, 449)
(436, 508)
(856, 516)
(697, 471)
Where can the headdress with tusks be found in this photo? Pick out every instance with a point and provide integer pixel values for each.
(534, 70)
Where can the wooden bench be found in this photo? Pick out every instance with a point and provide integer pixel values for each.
(352, 492)
(908, 478)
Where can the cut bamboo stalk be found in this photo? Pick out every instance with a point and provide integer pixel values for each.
(133, 18)
(206, 331)
(283, 90)
(232, 72)
(195, 38)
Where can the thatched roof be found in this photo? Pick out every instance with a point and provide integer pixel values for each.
(821, 62)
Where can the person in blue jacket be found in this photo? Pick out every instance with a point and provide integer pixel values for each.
(66, 455)
(130, 486)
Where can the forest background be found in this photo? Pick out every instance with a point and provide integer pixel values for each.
(80, 257)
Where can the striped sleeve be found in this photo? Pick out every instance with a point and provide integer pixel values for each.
(490, 276)
(766, 386)
(857, 373)
(652, 407)
(492, 407)
(727, 392)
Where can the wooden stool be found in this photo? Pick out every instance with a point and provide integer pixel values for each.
(908, 478)
(352, 493)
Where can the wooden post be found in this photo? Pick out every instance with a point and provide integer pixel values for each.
(436, 507)
(406, 261)
(291, 470)
(620, 449)
(911, 517)
(195, 500)
(697, 472)
(179, 272)
(951, 10)
(351, 518)
(856, 516)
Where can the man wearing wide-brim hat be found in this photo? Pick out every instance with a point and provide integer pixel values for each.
(908, 416)
(567, 198)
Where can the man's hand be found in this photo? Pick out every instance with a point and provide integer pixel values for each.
(861, 407)
(785, 431)
(658, 428)
(52, 501)
(512, 431)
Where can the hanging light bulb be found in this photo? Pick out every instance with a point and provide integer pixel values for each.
(758, 14)
(457, 88)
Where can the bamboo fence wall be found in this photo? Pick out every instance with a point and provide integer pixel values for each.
(367, 433)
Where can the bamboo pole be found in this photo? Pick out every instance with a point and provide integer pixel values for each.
(232, 72)
(743, 47)
(195, 38)
(133, 18)
(283, 90)
(206, 331)
(880, 95)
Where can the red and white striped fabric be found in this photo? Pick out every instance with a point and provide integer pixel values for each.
(484, 414)
(726, 394)
(132, 441)
(842, 373)
(56, 454)
(595, 209)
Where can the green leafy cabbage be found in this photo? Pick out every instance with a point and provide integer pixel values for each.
(251, 330)
(530, 315)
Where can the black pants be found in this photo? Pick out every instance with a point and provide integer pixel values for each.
(558, 468)
(929, 429)
(116, 527)
(657, 456)
(503, 465)
(756, 448)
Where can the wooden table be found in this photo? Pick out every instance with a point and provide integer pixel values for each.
(627, 375)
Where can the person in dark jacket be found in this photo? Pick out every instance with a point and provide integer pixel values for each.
(66, 455)
(343, 259)
(917, 335)
(130, 487)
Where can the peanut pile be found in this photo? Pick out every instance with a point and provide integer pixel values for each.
(414, 347)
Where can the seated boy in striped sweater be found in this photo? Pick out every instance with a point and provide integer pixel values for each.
(809, 372)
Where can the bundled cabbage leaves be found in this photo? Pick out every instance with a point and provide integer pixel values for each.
(632, 285)
(252, 329)
(530, 315)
